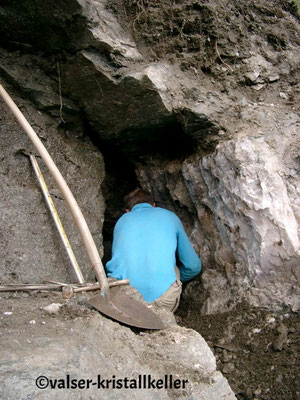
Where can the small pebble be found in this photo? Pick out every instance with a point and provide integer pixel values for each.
(257, 392)
(228, 368)
(52, 308)
(226, 357)
(256, 330)
(283, 95)
(271, 320)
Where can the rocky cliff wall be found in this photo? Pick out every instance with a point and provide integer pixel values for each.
(245, 202)
(202, 99)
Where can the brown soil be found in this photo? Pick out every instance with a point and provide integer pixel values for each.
(189, 30)
(256, 350)
(211, 40)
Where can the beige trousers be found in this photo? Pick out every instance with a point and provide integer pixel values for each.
(171, 298)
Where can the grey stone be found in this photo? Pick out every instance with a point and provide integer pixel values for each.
(79, 342)
(251, 176)
(281, 339)
(283, 95)
(259, 70)
(228, 368)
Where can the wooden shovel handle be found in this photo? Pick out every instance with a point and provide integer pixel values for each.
(66, 192)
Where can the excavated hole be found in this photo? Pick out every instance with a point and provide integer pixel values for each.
(164, 141)
(120, 179)
(169, 141)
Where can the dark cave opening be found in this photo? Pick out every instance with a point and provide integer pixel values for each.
(162, 141)
(120, 179)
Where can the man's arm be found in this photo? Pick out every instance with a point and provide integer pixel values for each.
(189, 262)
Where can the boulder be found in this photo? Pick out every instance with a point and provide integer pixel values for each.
(78, 346)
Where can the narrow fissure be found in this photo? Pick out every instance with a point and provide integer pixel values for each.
(120, 179)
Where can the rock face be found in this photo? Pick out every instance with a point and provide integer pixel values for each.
(246, 197)
(207, 117)
(255, 202)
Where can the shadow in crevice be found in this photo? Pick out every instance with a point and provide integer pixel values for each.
(166, 140)
(120, 179)
(173, 139)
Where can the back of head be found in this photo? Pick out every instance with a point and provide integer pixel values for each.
(137, 196)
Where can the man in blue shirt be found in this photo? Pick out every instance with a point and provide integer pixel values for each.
(145, 244)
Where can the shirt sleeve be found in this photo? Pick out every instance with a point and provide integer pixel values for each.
(189, 262)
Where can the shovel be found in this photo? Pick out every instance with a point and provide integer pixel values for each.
(111, 302)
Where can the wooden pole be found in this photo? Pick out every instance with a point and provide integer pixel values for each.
(56, 219)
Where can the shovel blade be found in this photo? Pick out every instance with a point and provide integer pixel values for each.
(123, 308)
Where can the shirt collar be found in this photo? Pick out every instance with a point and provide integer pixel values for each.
(141, 206)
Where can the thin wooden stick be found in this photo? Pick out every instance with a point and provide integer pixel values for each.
(60, 283)
(56, 219)
(25, 287)
(11, 287)
(219, 55)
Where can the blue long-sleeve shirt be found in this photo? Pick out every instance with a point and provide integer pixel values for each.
(145, 243)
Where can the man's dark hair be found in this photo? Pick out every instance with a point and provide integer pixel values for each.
(137, 196)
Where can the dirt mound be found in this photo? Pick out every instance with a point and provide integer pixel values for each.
(199, 33)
